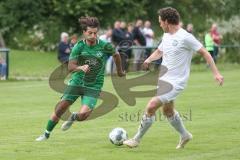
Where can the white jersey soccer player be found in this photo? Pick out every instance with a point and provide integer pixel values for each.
(176, 49)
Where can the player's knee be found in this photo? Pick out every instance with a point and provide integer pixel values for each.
(168, 111)
(61, 108)
(153, 105)
(54, 117)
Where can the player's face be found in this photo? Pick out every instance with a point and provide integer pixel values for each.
(163, 24)
(90, 34)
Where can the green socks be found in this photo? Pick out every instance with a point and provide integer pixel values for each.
(50, 125)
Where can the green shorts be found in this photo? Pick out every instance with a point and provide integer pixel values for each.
(85, 100)
(89, 95)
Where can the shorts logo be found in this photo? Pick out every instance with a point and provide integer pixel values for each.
(175, 43)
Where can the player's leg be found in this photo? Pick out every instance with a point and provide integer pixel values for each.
(146, 122)
(148, 118)
(177, 123)
(88, 104)
(60, 108)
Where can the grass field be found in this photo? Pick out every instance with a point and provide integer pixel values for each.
(32, 63)
(210, 112)
(37, 64)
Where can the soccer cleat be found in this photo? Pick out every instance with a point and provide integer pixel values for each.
(131, 143)
(67, 124)
(43, 137)
(184, 140)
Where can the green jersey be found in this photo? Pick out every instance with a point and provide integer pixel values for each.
(96, 57)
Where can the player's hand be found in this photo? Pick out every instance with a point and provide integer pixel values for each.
(219, 78)
(85, 68)
(121, 73)
(145, 65)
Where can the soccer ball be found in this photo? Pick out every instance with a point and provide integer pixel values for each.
(117, 136)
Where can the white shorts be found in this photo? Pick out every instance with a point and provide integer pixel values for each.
(170, 95)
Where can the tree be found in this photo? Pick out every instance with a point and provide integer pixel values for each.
(28, 24)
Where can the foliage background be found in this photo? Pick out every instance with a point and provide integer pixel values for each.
(36, 25)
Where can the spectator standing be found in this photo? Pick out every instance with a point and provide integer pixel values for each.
(123, 51)
(117, 34)
(139, 41)
(129, 38)
(216, 39)
(209, 44)
(118, 37)
(149, 35)
(64, 48)
(189, 28)
(73, 41)
(3, 68)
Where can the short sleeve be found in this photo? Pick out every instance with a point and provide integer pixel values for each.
(75, 53)
(193, 43)
(160, 47)
(108, 49)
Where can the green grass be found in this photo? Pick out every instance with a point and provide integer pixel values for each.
(32, 63)
(26, 107)
(39, 64)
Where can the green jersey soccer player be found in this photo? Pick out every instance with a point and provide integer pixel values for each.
(87, 64)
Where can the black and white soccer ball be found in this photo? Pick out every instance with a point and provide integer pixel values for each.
(117, 136)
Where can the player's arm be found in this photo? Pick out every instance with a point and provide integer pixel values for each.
(74, 67)
(117, 60)
(206, 55)
(73, 62)
(157, 54)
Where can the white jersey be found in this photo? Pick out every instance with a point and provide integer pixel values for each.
(149, 40)
(177, 51)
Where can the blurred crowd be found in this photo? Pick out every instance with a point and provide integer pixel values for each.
(135, 42)
(123, 36)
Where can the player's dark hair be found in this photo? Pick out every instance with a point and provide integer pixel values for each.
(170, 14)
(89, 22)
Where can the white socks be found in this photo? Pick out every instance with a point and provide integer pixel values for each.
(146, 123)
(177, 123)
